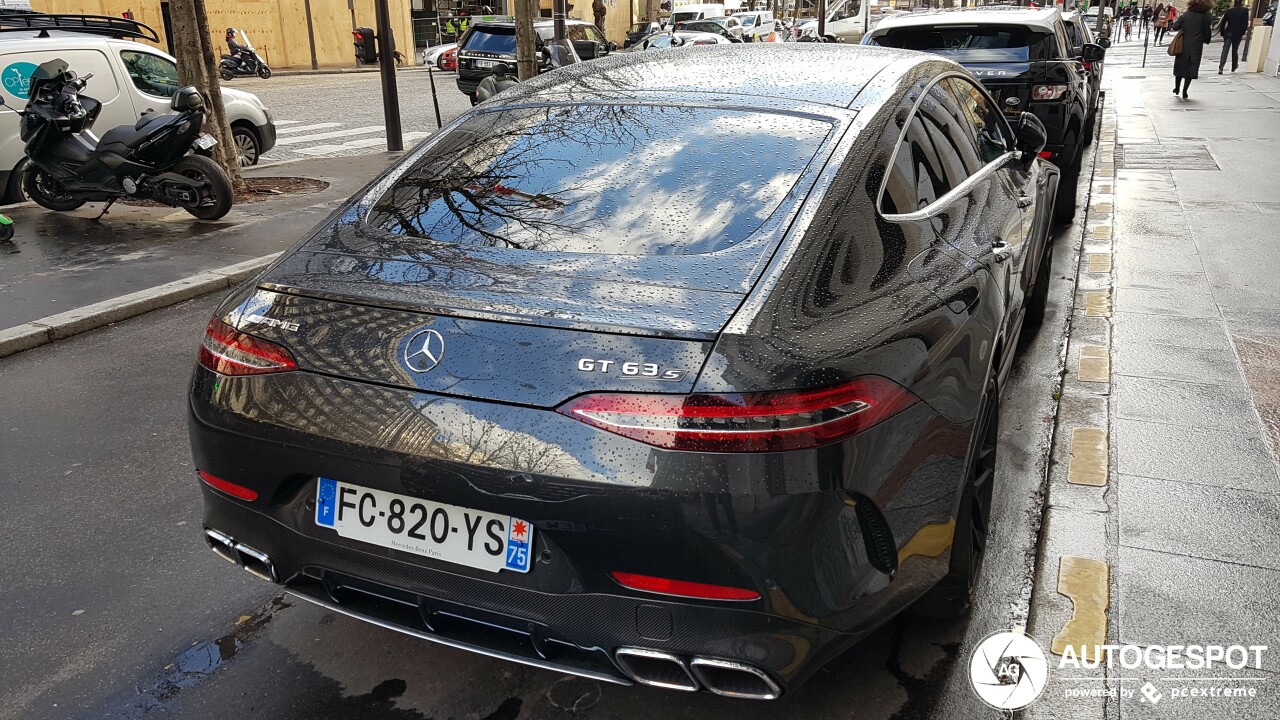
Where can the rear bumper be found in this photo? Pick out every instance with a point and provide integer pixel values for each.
(794, 527)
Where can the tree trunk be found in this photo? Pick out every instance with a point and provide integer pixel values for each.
(526, 44)
(198, 65)
(651, 10)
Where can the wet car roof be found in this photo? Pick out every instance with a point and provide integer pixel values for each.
(811, 73)
(1032, 17)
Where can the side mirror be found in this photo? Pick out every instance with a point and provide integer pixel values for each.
(1104, 43)
(1030, 136)
(1092, 53)
(612, 46)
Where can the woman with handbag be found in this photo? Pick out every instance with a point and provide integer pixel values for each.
(1162, 22)
(1195, 30)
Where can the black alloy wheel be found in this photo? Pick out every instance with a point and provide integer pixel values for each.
(226, 74)
(264, 72)
(218, 195)
(1064, 210)
(46, 191)
(1038, 294)
(952, 597)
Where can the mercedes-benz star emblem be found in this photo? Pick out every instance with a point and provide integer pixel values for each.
(424, 350)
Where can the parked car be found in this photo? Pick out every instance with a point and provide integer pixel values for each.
(497, 403)
(670, 39)
(129, 78)
(638, 31)
(492, 41)
(448, 60)
(702, 11)
(847, 21)
(1022, 56)
(757, 25)
(1079, 34)
(431, 55)
(728, 28)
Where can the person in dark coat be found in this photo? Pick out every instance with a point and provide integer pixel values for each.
(1197, 31)
(1234, 25)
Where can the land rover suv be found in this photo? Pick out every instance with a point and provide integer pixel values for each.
(1026, 60)
(489, 43)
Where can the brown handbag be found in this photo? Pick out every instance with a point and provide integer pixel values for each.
(1175, 45)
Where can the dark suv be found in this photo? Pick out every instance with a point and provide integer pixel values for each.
(492, 42)
(1025, 59)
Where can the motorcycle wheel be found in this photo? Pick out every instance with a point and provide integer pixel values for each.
(225, 74)
(47, 192)
(200, 168)
(264, 72)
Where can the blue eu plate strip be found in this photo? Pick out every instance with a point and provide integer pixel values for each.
(518, 538)
(326, 502)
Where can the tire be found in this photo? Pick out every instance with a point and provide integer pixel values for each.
(47, 192)
(247, 147)
(1038, 297)
(1064, 210)
(952, 597)
(264, 72)
(197, 167)
(225, 74)
(13, 192)
(1091, 127)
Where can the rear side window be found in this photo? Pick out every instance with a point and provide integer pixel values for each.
(917, 174)
(975, 43)
(983, 124)
(491, 39)
(612, 179)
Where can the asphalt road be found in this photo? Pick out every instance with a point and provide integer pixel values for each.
(115, 608)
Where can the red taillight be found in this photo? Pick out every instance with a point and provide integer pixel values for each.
(750, 422)
(228, 351)
(1088, 66)
(682, 588)
(1047, 92)
(230, 488)
(1046, 154)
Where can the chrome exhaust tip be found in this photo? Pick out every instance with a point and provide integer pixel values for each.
(222, 545)
(256, 562)
(734, 679)
(656, 669)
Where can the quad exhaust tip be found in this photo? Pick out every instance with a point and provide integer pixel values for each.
(733, 679)
(255, 561)
(722, 677)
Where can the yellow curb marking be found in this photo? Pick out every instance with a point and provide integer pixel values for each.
(1095, 364)
(1086, 582)
(1102, 207)
(1103, 189)
(1100, 262)
(1104, 173)
(1089, 457)
(1101, 232)
(1097, 303)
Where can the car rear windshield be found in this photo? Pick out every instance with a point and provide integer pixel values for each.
(710, 26)
(640, 28)
(682, 16)
(612, 179)
(974, 43)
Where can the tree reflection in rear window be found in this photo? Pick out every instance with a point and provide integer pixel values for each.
(614, 179)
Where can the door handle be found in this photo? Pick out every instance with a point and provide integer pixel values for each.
(1024, 202)
(1000, 250)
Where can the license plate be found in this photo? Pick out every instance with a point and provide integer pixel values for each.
(481, 540)
(206, 141)
(484, 63)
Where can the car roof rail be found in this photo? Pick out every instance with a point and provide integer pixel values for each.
(116, 27)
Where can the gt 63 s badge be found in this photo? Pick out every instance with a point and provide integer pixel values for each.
(636, 370)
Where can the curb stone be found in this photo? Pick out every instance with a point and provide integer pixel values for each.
(91, 317)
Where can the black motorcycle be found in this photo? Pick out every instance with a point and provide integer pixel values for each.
(150, 160)
(232, 67)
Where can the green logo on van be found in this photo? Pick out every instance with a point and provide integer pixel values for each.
(17, 79)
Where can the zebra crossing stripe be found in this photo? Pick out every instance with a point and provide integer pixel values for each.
(308, 128)
(298, 139)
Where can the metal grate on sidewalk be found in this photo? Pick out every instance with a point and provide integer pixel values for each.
(1166, 156)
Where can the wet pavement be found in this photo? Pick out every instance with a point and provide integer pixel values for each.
(61, 261)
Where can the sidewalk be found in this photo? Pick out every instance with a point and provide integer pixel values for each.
(1162, 524)
(65, 261)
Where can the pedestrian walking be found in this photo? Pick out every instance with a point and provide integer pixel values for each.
(1162, 22)
(1128, 27)
(1234, 25)
(1196, 30)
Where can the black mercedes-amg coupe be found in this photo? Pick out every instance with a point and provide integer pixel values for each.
(679, 368)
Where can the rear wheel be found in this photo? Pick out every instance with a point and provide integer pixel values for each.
(1064, 210)
(225, 74)
(13, 192)
(952, 597)
(218, 197)
(264, 72)
(48, 192)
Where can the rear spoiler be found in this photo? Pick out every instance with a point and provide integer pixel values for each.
(116, 27)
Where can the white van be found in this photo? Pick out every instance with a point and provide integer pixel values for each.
(847, 21)
(695, 12)
(129, 78)
(757, 25)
